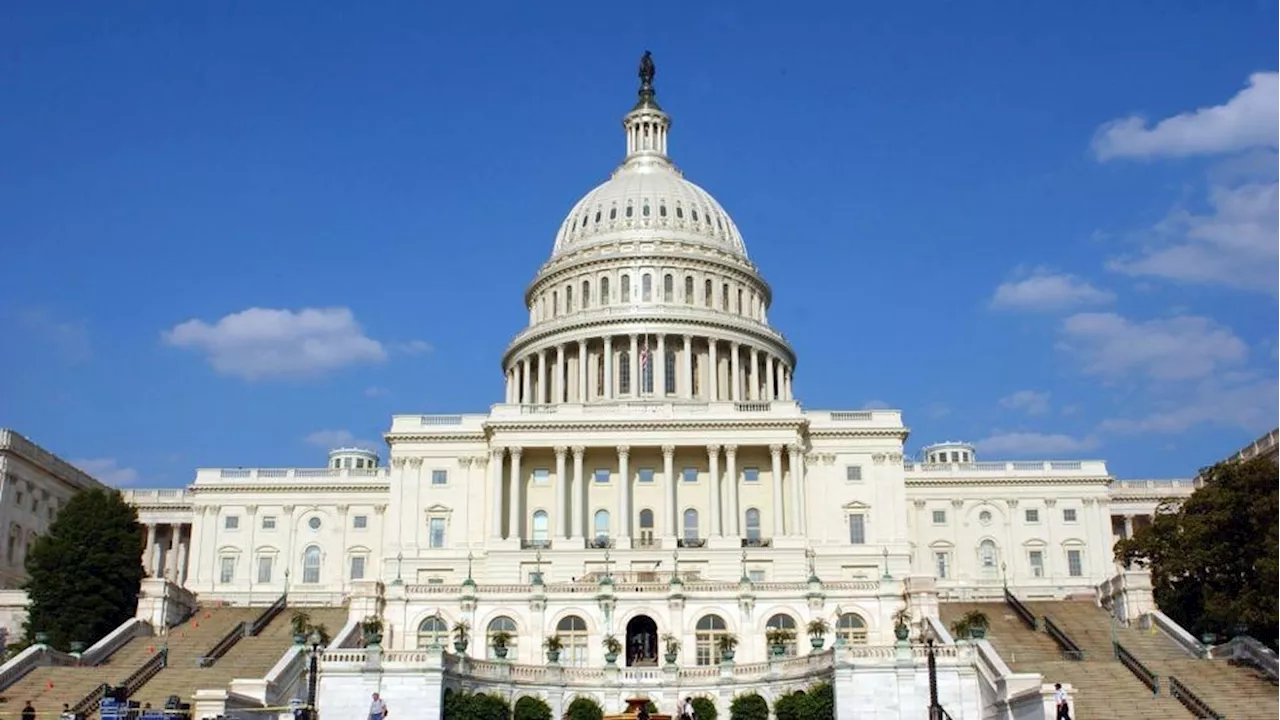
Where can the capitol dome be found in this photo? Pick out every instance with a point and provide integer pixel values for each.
(648, 294)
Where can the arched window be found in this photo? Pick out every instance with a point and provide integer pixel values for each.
(540, 527)
(628, 211)
(851, 629)
(586, 294)
(670, 379)
(624, 373)
(502, 624)
(646, 528)
(690, 525)
(604, 291)
(786, 623)
(688, 289)
(668, 288)
(311, 565)
(568, 298)
(624, 294)
(555, 304)
(432, 631)
(573, 633)
(724, 297)
(602, 524)
(739, 307)
(753, 525)
(987, 555)
(15, 537)
(646, 288)
(707, 634)
(708, 295)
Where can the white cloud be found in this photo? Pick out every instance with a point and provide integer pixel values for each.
(108, 471)
(330, 439)
(937, 410)
(1034, 444)
(1043, 290)
(1235, 400)
(1028, 401)
(375, 391)
(1250, 119)
(68, 338)
(414, 347)
(875, 405)
(1185, 347)
(262, 343)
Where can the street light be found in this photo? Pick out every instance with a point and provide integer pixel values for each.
(314, 640)
(935, 710)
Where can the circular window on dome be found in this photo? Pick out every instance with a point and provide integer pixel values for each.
(984, 517)
(314, 523)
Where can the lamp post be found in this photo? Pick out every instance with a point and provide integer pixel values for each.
(313, 673)
(935, 710)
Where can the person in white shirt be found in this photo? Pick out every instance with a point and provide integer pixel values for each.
(1060, 699)
(686, 712)
(377, 708)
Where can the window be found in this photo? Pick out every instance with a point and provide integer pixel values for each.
(357, 567)
(939, 517)
(573, 634)
(586, 288)
(1075, 567)
(668, 288)
(602, 524)
(707, 634)
(541, 476)
(568, 298)
(689, 475)
(602, 476)
(688, 289)
(857, 529)
(604, 291)
(311, 565)
(555, 303)
(724, 297)
(439, 477)
(646, 528)
(753, 525)
(599, 375)
(15, 535)
(432, 631)
(645, 475)
(788, 623)
(853, 473)
(502, 624)
(755, 575)
(941, 561)
(646, 287)
(984, 517)
(751, 475)
(669, 381)
(265, 563)
(690, 525)
(708, 295)
(1036, 558)
(231, 522)
(738, 305)
(1033, 515)
(987, 555)
(268, 522)
(360, 522)
(1069, 515)
(624, 290)
(436, 532)
(227, 570)
(540, 528)
(314, 523)
(624, 373)
(644, 208)
(851, 629)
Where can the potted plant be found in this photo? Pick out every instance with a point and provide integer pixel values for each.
(554, 645)
(726, 644)
(371, 629)
(972, 624)
(612, 647)
(300, 623)
(500, 639)
(818, 629)
(461, 636)
(672, 644)
(902, 623)
(78, 647)
(778, 639)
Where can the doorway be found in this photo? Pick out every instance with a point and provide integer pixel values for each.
(642, 642)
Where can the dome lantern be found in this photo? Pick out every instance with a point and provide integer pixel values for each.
(646, 125)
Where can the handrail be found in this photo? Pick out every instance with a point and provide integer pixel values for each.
(267, 616)
(227, 642)
(1191, 701)
(135, 680)
(1020, 610)
(1070, 650)
(1142, 672)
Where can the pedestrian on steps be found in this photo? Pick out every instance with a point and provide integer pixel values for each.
(1060, 699)
(28, 712)
(377, 708)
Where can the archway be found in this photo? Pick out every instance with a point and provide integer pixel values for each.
(642, 641)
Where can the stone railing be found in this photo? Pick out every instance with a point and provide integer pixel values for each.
(143, 497)
(1243, 648)
(1083, 468)
(628, 587)
(207, 474)
(648, 408)
(1175, 632)
(30, 659)
(114, 640)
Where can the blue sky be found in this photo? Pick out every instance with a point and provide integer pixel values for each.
(1049, 228)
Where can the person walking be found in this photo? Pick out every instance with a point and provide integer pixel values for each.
(1060, 699)
(378, 708)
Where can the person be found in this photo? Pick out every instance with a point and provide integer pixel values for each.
(644, 713)
(66, 713)
(377, 708)
(1060, 699)
(686, 712)
(28, 712)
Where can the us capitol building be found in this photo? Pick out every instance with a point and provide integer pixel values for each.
(648, 473)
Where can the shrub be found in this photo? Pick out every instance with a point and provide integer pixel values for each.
(749, 707)
(584, 708)
(531, 708)
(704, 708)
(792, 706)
(822, 702)
(463, 705)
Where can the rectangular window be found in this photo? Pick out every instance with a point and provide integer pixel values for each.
(1069, 515)
(357, 567)
(858, 529)
(757, 576)
(439, 477)
(231, 522)
(942, 563)
(268, 522)
(1033, 515)
(939, 517)
(227, 570)
(690, 475)
(751, 475)
(437, 532)
(360, 522)
(1075, 568)
(264, 568)
(646, 475)
(853, 473)
(1037, 563)
(602, 476)
(541, 476)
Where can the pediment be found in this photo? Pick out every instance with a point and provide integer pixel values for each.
(439, 509)
(856, 505)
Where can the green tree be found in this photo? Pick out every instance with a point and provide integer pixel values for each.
(1213, 560)
(822, 702)
(704, 708)
(84, 575)
(584, 707)
(531, 708)
(749, 706)
(792, 706)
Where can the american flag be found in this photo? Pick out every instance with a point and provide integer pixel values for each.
(644, 353)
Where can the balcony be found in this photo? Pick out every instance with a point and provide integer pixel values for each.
(691, 542)
(599, 543)
(535, 544)
(757, 542)
(645, 543)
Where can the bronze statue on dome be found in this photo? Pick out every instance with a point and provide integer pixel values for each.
(647, 70)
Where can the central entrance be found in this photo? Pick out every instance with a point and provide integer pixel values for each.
(642, 642)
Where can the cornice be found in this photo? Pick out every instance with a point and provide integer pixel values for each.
(664, 424)
(895, 433)
(278, 488)
(443, 437)
(988, 481)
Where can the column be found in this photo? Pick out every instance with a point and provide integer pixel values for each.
(713, 455)
(775, 453)
(575, 531)
(543, 377)
(660, 364)
(731, 476)
(171, 568)
(797, 489)
(582, 371)
(559, 517)
(184, 552)
(634, 364)
(624, 487)
(558, 387)
(150, 556)
(1128, 526)
(669, 476)
(525, 396)
(686, 389)
(769, 393)
(713, 377)
(513, 511)
(788, 397)
(735, 379)
(755, 374)
(495, 467)
(608, 367)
